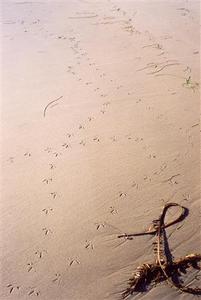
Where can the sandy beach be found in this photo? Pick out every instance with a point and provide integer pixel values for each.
(100, 129)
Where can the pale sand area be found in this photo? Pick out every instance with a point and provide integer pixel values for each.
(98, 163)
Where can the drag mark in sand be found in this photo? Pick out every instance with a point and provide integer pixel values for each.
(195, 125)
(155, 45)
(83, 17)
(50, 103)
(157, 67)
(163, 67)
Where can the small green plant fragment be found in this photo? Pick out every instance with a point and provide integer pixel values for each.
(191, 84)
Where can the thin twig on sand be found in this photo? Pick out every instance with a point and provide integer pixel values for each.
(170, 178)
(46, 107)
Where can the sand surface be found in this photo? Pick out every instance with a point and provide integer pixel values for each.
(102, 158)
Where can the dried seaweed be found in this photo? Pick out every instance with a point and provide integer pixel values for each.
(164, 268)
(191, 84)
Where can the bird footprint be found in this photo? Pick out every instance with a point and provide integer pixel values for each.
(99, 225)
(57, 277)
(65, 145)
(134, 185)
(30, 266)
(40, 253)
(96, 139)
(82, 142)
(113, 211)
(47, 180)
(47, 210)
(121, 194)
(12, 287)
(53, 194)
(73, 261)
(27, 154)
(89, 245)
(47, 231)
(33, 292)
(11, 159)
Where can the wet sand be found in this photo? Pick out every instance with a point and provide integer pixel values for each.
(100, 128)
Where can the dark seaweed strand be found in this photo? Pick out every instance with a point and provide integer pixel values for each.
(160, 260)
(163, 267)
(163, 226)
